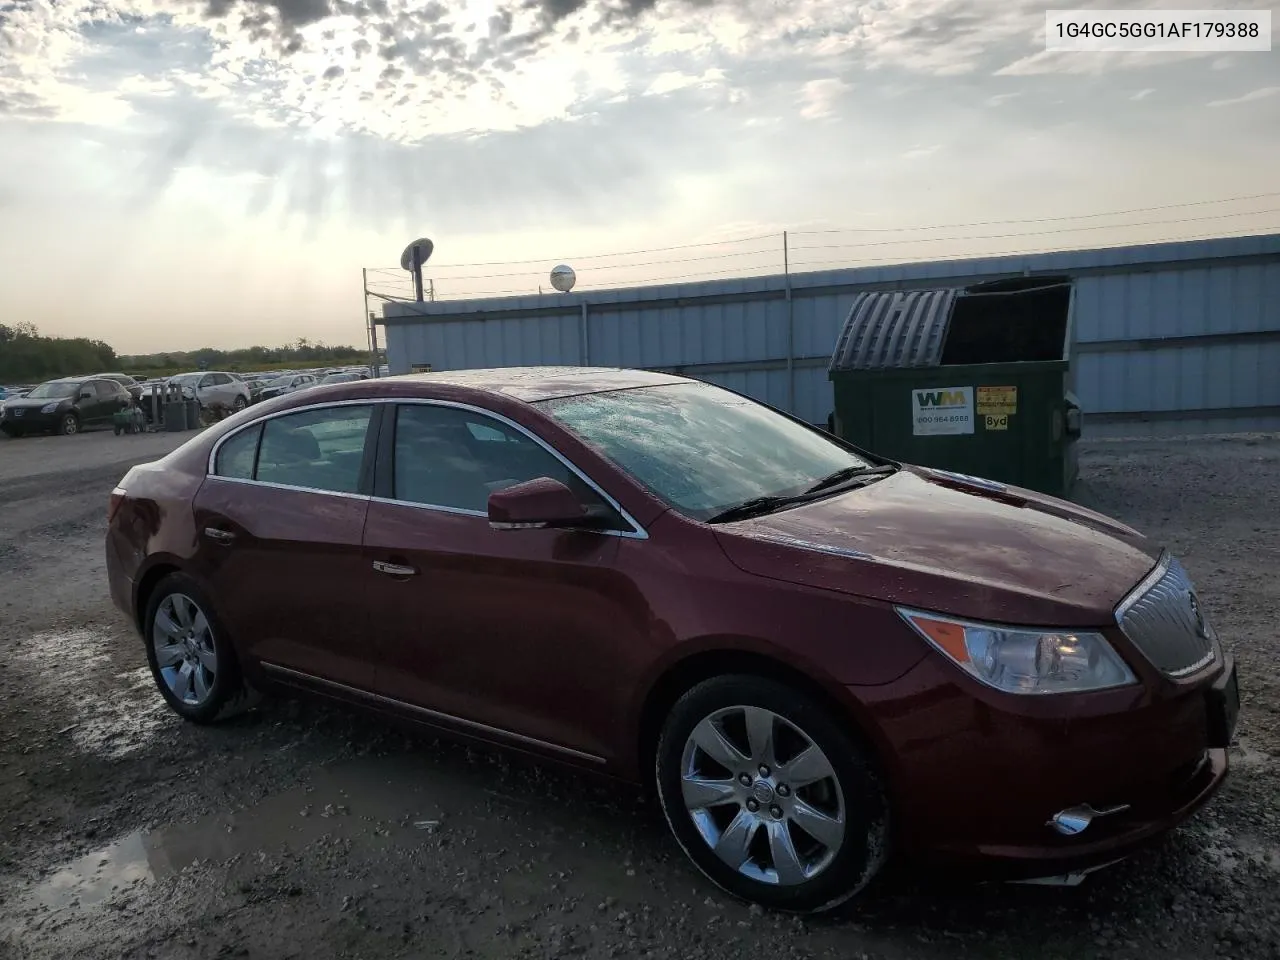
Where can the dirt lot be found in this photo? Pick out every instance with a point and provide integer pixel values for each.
(312, 832)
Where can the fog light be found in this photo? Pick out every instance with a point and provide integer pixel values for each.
(1076, 820)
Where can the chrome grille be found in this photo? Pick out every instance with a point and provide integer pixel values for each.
(1165, 621)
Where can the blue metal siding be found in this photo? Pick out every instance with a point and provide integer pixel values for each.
(1126, 294)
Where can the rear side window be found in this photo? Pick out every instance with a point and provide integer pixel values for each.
(315, 449)
(235, 457)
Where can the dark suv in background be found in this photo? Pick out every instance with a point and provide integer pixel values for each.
(126, 381)
(65, 406)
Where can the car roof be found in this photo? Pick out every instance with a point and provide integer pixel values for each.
(540, 383)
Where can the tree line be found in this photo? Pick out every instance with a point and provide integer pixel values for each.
(28, 357)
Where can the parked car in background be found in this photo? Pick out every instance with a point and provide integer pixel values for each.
(126, 381)
(64, 406)
(814, 654)
(255, 383)
(343, 377)
(286, 384)
(212, 387)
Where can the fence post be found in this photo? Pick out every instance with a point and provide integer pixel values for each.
(584, 346)
(791, 328)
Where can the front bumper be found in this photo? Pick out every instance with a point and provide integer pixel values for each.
(30, 419)
(977, 776)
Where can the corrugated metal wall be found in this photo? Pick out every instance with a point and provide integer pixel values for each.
(1172, 338)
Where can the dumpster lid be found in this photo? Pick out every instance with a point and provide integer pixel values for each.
(913, 328)
(895, 328)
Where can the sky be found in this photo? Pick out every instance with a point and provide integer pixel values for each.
(176, 175)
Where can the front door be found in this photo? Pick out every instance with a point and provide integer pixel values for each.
(523, 631)
(280, 527)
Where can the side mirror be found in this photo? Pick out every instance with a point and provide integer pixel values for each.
(542, 502)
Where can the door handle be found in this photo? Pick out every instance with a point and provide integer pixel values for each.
(222, 536)
(393, 569)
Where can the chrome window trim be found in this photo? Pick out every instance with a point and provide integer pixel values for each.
(637, 531)
(426, 712)
(290, 487)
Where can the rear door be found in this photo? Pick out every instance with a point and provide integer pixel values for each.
(102, 404)
(521, 631)
(115, 396)
(280, 523)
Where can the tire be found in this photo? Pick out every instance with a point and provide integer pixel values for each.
(240, 404)
(117, 428)
(69, 425)
(12, 433)
(228, 694)
(821, 875)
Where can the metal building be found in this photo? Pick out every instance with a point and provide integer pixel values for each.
(1171, 338)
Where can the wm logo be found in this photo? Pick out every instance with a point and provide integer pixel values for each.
(940, 398)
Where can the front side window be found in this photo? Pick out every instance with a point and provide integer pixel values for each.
(447, 457)
(106, 389)
(316, 449)
(699, 448)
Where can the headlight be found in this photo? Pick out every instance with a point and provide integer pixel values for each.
(50, 407)
(1024, 660)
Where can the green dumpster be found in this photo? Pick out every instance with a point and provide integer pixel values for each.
(977, 380)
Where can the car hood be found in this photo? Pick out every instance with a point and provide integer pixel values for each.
(23, 403)
(952, 544)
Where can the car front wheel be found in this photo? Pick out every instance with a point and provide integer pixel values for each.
(769, 796)
(191, 659)
(69, 425)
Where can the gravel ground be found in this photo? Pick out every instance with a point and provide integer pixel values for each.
(305, 830)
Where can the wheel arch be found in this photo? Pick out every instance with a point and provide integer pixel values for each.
(683, 674)
(146, 587)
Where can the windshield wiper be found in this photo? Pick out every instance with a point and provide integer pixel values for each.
(757, 506)
(752, 508)
(850, 473)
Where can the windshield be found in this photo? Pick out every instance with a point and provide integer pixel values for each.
(701, 449)
(54, 389)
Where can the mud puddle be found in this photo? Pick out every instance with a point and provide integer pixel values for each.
(371, 807)
(61, 663)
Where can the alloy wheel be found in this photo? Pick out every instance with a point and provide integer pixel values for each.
(762, 795)
(185, 653)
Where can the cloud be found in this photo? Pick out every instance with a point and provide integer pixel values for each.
(819, 98)
(412, 70)
(1143, 94)
(1262, 93)
(408, 69)
(920, 153)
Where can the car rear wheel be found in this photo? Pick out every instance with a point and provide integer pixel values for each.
(191, 658)
(69, 425)
(769, 796)
(240, 404)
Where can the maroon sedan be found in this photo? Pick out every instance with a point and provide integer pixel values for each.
(817, 656)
